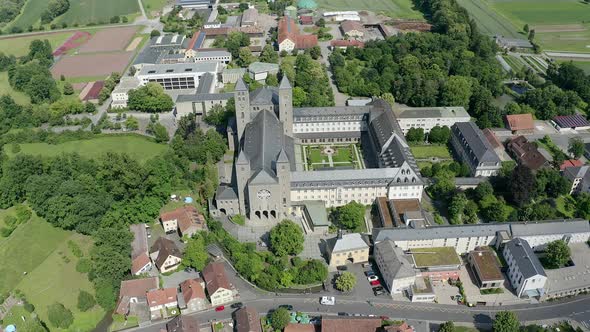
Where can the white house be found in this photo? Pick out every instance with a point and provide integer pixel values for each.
(165, 255)
(429, 117)
(120, 94)
(220, 290)
(525, 272)
(397, 271)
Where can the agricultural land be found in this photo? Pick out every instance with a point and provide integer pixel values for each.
(394, 8)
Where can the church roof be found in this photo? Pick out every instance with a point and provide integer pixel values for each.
(264, 96)
(240, 85)
(285, 84)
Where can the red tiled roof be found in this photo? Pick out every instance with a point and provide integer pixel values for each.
(492, 138)
(134, 288)
(570, 163)
(139, 263)
(348, 26)
(192, 289)
(520, 122)
(215, 277)
(247, 320)
(403, 327)
(300, 328)
(288, 30)
(186, 217)
(333, 324)
(346, 43)
(306, 19)
(306, 41)
(161, 296)
(526, 153)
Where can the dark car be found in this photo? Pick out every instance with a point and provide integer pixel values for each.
(286, 306)
(237, 305)
(343, 314)
(342, 268)
(369, 273)
(377, 293)
(378, 288)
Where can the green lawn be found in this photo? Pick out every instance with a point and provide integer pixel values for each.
(85, 11)
(572, 41)
(14, 317)
(488, 20)
(435, 256)
(343, 156)
(153, 6)
(140, 148)
(30, 14)
(5, 88)
(543, 12)
(566, 206)
(20, 46)
(393, 8)
(429, 151)
(26, 248)
(56, 279)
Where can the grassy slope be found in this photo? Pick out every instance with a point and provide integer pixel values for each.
(26, 248)
(57, 280)
(138, 147)
(84, 11)
(20, 46)
(393, 8)
(5, 88)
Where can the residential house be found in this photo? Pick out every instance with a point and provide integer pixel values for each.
(520, 124)
(289, 37)
(140, 259)
(572, 122)
(398, 327)
(579, 177)
(250, 17)
(350, 324)
(161, 299)
(526, 153)
(353, 29)
(120, 94)
(471, 147)
(348, 248)
(187, 220)
(260, 70)
(219, 289)
(570, 163)
(344, 44)
(525, 272)
(306, 20)
(484, 265)
(247, 320)
(134, 292)
(396, 268)
(183, 324)
(300, 327)
(429, 117)
(192, 296)
(165, 254)
(496, 144)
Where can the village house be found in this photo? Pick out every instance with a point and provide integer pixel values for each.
(248, 320)
(290, 39)
(526, 153)
(352, 29)
(161, 300)
(220, 290)
(165, 254)
(348, 249)
(134, 292)
(192, 296)
(186, 220)
(140, 260)
(183, 324)
(520, 124)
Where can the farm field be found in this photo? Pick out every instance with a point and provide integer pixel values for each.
(542, 12)
(429, 151)
(514, 62)
(393, 8)
(30, 14)
(5, 88)
(94, 65)
(108, 40)
(20, 46)
(488, 20)
(153, 6)
(140, 148)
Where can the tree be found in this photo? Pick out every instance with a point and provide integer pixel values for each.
(269, 54)
(131, 123)
(315, 52)
(312, 271)
(506, 321)
(557, 253)
(522, 185)
(150, 98)
(350, 216)
(243, 6)
(456, 91)
(345, 282)
(439, 135)
(280, 318)
(532, 34)
(415, 135)
(154, 33)
(59, 316)
(159, 131)
(576, 147)
(85, 301)
(526, 28)
(195, 254)
(286, 238)
(272, 80)
(447, 327)
(217, 115)
(245, 57)
(68, 89)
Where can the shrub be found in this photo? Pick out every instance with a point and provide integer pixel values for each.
(75, 249)
(84, 265)
(85, 301)
(29, 307)
(60, 316)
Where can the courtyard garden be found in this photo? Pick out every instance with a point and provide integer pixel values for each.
(333, 156)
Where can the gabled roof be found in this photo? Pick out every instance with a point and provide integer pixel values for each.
(248, 320)
(183, 324)
(288, 30)
(348, 242)
(492, 138)
(527, 153)
(165, 248)
(135, 288)
(477, 143)
(161, 297)
(346, 43)
(525, 258)
(520, 122)
(187, 216)
(398, 264)
(345, 324)
(348, 26)
(570, 163)
(215, 277)
(139, 262)
(261, 67)
(191, 289)
(139, 245)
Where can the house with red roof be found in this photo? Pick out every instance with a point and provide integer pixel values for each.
(192, 296)
(570, 163)
(218, 287)
(140, 259)
(520, 124)
(343, 44)
(290, 38)
(187, 220)
(132, 292)
(161, 299)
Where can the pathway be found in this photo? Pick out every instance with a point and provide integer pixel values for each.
(568, 55)
(142, 9)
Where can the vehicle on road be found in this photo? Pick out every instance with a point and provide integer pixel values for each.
(220, 308)
(342, 268)
(378, 288)
(237, 305)
(286, 306)
(343, 314)
(328, 300)
(372, 278)
(369, 273)
(375, 283)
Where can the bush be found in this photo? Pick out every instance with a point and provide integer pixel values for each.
(346, 282)
(60, 316)
(84, 265)
(29, 307)
(85, 301)
(239, 219)
(75, 249)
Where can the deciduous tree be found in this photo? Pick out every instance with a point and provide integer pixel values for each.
(345, 282)
(286, 238)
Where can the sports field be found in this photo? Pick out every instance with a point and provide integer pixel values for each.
(5, 88)
(20, 46)
(140, 148)
(392, 8)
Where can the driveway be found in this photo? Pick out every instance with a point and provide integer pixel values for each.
(175, 279)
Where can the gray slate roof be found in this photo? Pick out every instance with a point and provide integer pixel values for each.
(550, 228)
(394, 259)
(226, 193)
(348, 242)
(431, 112)
(179, 68)
(474, 138)
(205, 83)
(525, 258)
(261, 67)
(266, 95)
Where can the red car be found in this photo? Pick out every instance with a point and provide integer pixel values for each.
(220, 308)
(375, 283)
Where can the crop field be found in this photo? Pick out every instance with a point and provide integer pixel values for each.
(30, 14)
(94, 65)
(140, 148)
(109, 40)
(542, 12)
(489, 21)
(393, 8)
(515, 63)
(20, 46)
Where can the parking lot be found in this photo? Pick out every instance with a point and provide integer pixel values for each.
(363, 290)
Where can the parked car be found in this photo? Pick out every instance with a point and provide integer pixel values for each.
(316, 321)
(368, 265)
(369, 273)
(375, 283)
(372, 278)
(378, 288)
(343, 314)
(237, 305)
(220, 308)
(286, 306)
(378, 292)
(327, 300)
(342, 268)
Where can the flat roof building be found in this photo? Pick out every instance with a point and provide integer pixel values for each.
(429, 117)
(177, 76)
(484, 265)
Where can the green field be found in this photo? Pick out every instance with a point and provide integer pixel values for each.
(572, 41)
(5, 88)
(140, 148)
(393, 8)
(429, 151)
(30, 14)
(344, 155)
(153, 6)
(543, 12)
(20, 46)
(488, 20)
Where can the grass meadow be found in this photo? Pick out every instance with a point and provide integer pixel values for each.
(393, 8)
(140, 148)
(5, 88)
(20, 46)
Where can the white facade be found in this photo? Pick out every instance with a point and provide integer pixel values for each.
(366, 195)
(222, 57)
(120, 94)
(170, 225)
(176, 76)
(170, 264)
(430, 117)
(329, 127)
(287, 45)
(462, 244)
(221, 296)
(521, 282)
(539, 242)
